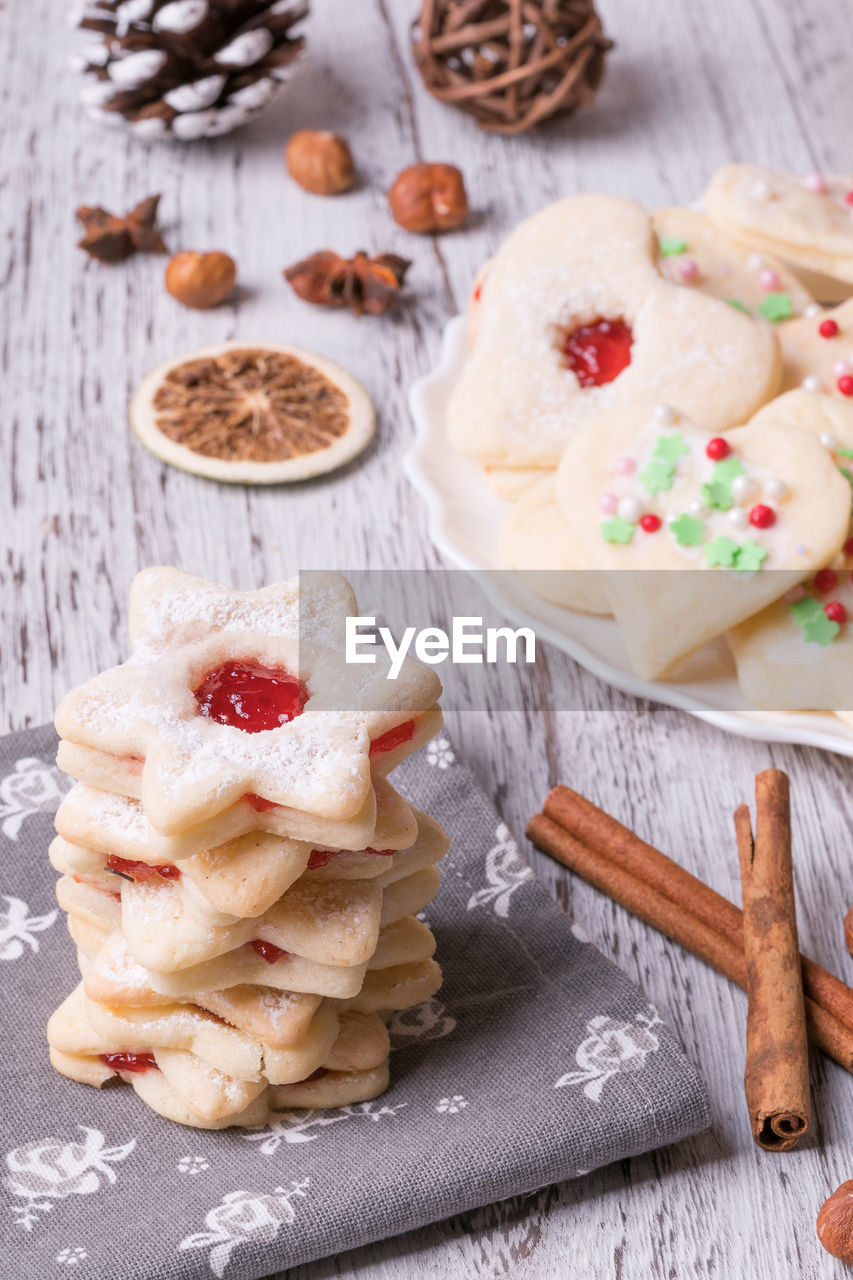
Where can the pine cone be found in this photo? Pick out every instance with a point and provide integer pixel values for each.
(186, 68)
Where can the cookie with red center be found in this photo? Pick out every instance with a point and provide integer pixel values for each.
(804, 220)
(231, 695)
(574, 318)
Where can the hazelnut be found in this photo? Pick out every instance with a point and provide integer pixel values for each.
(835, 1223)
(429, 197)
(201, 280)
(320, 162)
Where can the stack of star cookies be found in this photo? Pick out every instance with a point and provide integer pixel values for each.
(241, 881)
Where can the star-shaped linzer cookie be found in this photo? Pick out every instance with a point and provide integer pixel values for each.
(231, 695)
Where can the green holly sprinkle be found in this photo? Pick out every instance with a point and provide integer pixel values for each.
(777, 306)
(844, 453)
(817, 628)
(671, 246)
(726, 470)
(617, 530)
(848, 474)
(750, 557)
(687, 531)
(802, 611)
(821, 630)
(657, 475)
(717, 495)
(670, 448)
(738, 305)
(721, 553)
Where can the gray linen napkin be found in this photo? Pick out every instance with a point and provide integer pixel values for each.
(537, 1061)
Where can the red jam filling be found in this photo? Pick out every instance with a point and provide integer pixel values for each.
(258, 803)
(251, 697)
(135, 1062)
(315, 1075)
(141, 871)
(267, 950)
(598, 352)
(319, 857)
(393, 738)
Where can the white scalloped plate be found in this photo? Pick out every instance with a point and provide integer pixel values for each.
(464, 517)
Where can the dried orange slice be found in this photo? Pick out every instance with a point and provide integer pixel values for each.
(252, 413)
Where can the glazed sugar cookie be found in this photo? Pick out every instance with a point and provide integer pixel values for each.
(797, 655)
(233, 694)
(693, 252)
(645, 490)
(253, 413)
(574, 318)
(536, 540)
(804, 221)
(817, 354)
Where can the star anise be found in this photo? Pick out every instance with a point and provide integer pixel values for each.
(360, 283)
(112, 239)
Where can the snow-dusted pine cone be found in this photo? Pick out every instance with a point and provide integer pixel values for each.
(185, 68)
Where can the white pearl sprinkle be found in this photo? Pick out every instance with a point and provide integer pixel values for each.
(776, 490)
(664, 414)
(760, 191)
(698, 509)
(829, 440)
(810, 383)
(755, 262)
(738, 518)
(742, 488)
(813, 310)
(630, 509)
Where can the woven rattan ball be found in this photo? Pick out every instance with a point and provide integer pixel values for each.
(512, 64)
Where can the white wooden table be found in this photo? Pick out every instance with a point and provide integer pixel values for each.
(83, 507)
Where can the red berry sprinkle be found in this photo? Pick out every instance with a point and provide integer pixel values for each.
(848, 547)
(836, 612)
(825, 580)
(650, 523)
(762, 517)
(827, 329)
(717, 449)
(845, 384)
(848, 199)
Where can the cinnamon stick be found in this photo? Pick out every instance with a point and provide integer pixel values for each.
(673, 915)
(776, 1079)
(592, 826)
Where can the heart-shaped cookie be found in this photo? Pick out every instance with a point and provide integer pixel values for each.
(654, 499)
(574, 318)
